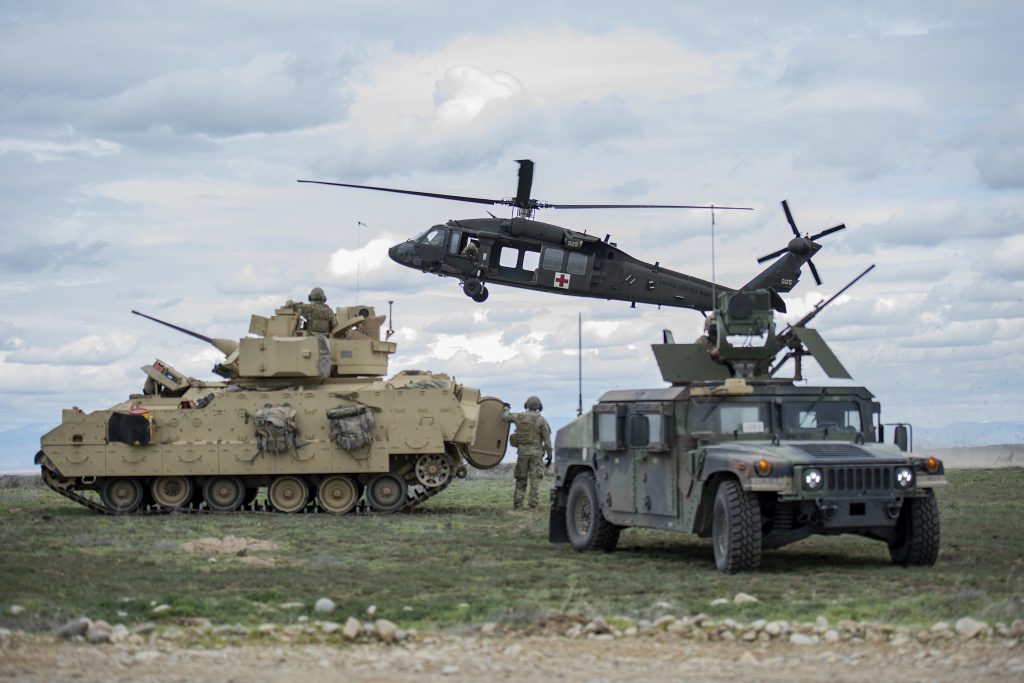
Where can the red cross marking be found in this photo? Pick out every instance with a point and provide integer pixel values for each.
(562, 281)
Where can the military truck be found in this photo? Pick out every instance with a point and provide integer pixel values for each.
(732, 452)
(308, 416)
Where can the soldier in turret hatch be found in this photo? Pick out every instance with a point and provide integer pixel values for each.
(533, 442)
(319, 317)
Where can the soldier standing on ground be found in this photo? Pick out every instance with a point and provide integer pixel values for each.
(320, 318)
(533, 442)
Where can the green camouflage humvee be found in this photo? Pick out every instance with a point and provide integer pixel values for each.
(733, 453)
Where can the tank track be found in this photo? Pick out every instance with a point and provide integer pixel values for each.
(53, 481)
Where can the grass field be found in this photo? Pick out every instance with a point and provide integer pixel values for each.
(465, 557)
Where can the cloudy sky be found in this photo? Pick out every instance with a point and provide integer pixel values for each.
(149, 155)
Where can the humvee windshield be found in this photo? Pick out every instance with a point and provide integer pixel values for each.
(805, 416)
(730, 418)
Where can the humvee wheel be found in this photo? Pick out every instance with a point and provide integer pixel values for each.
(224, 493)
(917, 533)
(337, 494)
(288, 494)
(587, 527)
(122, 494)
(172, 492)
(386, 492)
(433, 469)
(736, 529)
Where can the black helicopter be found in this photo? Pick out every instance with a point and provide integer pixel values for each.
(522, 252)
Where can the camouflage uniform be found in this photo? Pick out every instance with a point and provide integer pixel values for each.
(320, 318)
(534, 441)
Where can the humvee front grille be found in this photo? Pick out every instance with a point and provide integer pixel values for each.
(839, 479)
(832, 450)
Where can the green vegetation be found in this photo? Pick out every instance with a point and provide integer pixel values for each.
(465, 557)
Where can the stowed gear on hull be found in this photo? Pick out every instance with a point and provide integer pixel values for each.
(336, 441)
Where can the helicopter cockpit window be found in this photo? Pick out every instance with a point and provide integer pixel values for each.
(552, 259)
(434, 237)
(576, 264)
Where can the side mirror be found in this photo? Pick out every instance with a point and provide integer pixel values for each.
(901, 437)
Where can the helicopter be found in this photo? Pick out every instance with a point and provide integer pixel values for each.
(530, 254)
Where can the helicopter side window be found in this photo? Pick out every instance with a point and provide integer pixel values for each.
(453, 244)
(576, 264)
(552, 259)
(508, 257)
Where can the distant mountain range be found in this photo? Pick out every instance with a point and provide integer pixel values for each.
(18, 446)
(965, 434)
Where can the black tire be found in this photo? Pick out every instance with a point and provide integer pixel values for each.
(917, 533)
(386, 492)
(736, 529)
(584, 522)
(224, 493)
(122, 495)
(472, 288)
(481, 296)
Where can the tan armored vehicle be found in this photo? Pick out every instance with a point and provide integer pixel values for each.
(308, 416)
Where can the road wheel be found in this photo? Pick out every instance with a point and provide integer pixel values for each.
(337, 494)
(224, 493)
(173, 492)
(584, 521)
(917, 533)
(288, 494)
(122, 494)
(386, 492)
(433, 469)
(736, 529)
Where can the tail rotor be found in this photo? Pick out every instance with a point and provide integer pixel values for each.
(801, 245)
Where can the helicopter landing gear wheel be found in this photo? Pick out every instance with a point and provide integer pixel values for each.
(386, 492)
(288, 494)
(122, 494)
(433, 470)
(337, 494)
(481, 296)
(172, 493)
(472, 288)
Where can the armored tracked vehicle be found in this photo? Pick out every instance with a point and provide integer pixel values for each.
(309, 416)
(731, 452)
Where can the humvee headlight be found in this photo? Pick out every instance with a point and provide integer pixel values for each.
(904, 477)
(932, 465)
(763, 467)
(813, 479)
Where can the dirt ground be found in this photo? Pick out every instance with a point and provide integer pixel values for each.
(505, 658)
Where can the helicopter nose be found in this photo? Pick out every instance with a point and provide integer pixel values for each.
(401, 253)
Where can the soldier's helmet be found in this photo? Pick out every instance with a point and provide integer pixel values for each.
(317, 294)
(533, 403)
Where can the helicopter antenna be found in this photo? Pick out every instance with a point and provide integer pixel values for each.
(359, 245)
(579, 360)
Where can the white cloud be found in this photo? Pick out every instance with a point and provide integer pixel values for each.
(93, 349)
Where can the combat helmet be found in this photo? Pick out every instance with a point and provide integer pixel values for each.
(533, 403)
(317, 295)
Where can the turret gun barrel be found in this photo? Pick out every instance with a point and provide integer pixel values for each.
(225, 346)
(820, 306)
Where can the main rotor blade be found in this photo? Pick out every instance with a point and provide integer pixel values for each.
(772, 255)
(814, 271)
(543, 205)
(525, 183)
(453, 197)
(835, 228)
(789, 217)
